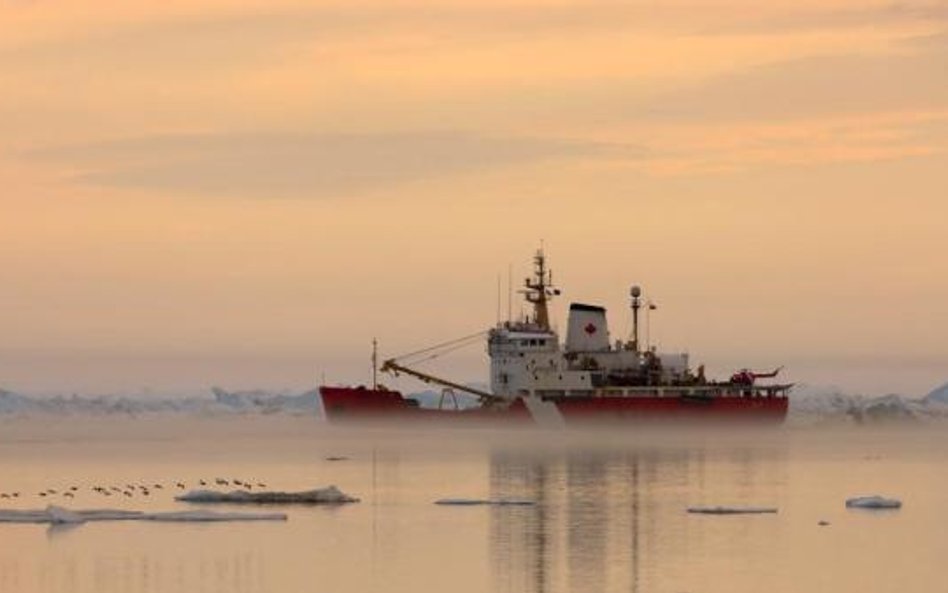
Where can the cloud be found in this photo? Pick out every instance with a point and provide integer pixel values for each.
(739, 146)
(826, 85)
(775, 20)
(296, 165)
(211, 71)
(933, 42)
(265, 25)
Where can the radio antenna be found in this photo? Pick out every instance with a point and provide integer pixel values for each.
(509, 292)
(498, 300)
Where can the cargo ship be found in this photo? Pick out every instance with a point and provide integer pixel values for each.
(537, 379)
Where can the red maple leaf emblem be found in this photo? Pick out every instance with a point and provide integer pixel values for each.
(590, 329)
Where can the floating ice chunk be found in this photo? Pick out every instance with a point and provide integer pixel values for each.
(873, 502)
(8, 516)
(59, 516)
(204, 516)
(327, 495)
(732, 510)
(482, 501)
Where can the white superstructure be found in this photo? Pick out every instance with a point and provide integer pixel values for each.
(527, 358)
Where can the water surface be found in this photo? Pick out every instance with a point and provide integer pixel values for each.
(609, 513)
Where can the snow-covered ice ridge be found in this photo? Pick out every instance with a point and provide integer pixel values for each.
(808, 404)
(218, 401)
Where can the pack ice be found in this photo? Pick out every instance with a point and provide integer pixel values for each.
(327, 495)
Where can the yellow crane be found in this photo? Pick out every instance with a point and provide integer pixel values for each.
(393, 368)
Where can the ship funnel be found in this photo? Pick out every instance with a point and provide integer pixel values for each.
(587, 330)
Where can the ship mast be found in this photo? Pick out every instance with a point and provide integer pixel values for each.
(539, 290)
(375, 364)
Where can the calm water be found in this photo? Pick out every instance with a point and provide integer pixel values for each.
(610, 512)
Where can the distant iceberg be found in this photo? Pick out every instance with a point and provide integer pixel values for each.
(888, 408)
(266, 402)
(810, 405)
(938, 396)
(327, 495)
(59, 516)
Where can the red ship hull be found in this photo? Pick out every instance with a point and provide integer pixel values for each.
(345, 404)
(722, 407)
(360, 403)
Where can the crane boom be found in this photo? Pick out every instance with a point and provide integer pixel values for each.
(390, 366)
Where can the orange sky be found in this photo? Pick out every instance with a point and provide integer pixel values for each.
(245, 193)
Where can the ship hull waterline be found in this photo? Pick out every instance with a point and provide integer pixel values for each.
(360, 404)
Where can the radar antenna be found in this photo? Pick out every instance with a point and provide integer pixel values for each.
(636, 293)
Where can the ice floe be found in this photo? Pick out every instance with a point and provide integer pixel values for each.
(63, 515)
(873, 502)
(722, 510)
(59, 515)
(211, 516)
(327, 495)
(484, 501)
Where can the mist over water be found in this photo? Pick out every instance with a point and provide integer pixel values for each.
(609, 513)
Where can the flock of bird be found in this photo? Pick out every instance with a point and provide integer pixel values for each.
(131, 490)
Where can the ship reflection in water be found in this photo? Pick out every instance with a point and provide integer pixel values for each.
(611, 521)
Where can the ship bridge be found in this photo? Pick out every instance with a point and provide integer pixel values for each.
(528, 359)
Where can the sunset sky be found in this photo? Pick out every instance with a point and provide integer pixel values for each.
(246, 193)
